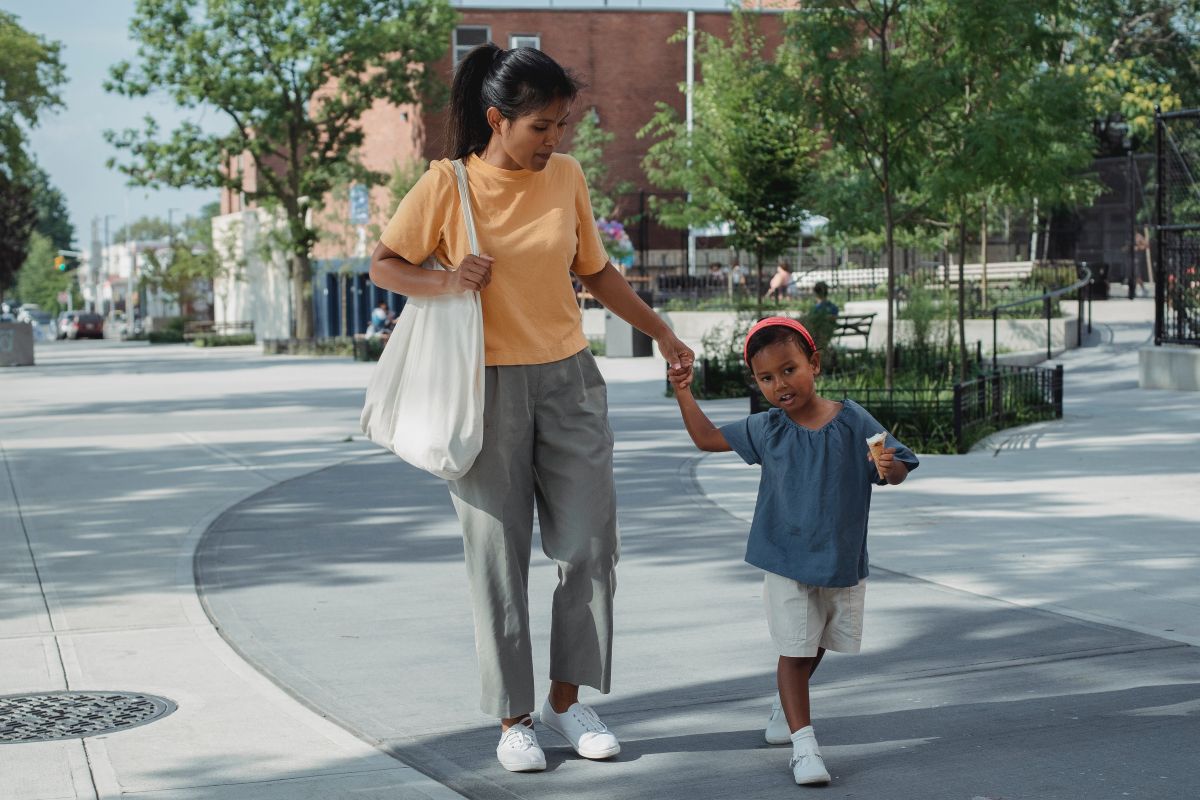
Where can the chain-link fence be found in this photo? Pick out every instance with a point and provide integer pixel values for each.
(1177, 218)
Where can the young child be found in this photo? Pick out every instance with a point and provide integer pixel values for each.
(810, 522)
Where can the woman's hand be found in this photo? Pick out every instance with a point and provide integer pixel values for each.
(472, 275)
(678, 355)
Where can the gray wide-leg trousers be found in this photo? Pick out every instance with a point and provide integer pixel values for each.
(546, 441)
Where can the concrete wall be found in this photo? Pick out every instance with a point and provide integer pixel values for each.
(255, 287)
(16, 344)
(1013, 335)
(1169, 367)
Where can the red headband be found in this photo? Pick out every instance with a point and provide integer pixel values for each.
(783, 321)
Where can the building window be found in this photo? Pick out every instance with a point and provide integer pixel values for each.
(525, 40)
(468, 37)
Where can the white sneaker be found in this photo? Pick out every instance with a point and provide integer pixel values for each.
(519, 750)
(807, 764)
(580, 726)
(778, 731)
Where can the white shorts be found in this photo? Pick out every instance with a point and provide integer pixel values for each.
(802, 618)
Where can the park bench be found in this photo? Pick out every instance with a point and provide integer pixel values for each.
(849, 326)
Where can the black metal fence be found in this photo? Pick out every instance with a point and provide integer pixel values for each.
(1005, 397)
(1177, 223)
(953, 418)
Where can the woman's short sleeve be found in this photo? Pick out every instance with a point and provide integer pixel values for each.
(590, 255)
(417, 227)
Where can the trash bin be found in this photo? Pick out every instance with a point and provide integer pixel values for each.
(16, 344)
(622, 340)
(1099, 288)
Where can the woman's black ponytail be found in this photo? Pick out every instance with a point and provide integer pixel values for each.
(517, 82)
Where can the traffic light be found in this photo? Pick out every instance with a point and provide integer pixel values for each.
(67, 260)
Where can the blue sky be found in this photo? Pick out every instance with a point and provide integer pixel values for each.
(70, 144)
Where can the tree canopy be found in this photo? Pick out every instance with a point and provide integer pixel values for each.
(292, 79)
(31, 73)
(749, 156)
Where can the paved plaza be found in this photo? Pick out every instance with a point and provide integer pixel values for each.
(210, 527)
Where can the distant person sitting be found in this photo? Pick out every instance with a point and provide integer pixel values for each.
(379, 320)
(716, 275)
(781, 282)
(824, 304)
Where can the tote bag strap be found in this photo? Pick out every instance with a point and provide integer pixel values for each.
(465, 199)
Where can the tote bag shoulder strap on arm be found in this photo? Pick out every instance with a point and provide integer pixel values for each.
(464, 198)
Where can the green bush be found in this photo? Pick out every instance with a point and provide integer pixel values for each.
(597, 345)
(216, 340)
(168, 336)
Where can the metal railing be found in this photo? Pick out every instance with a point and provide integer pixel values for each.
(1177, 229)
(1081, 286)
(1005, 397)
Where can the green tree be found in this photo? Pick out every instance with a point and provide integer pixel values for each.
(53, 219)
(587, 147)
(293, 78)
(873, 80)
(141, 229)
(39, 281)
(1135, 55)
(748, 159)
(31, 72)
(1018, 126)
(18, 215)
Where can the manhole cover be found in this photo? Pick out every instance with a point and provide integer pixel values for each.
(68, 715)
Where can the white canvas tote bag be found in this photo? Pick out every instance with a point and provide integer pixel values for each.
(425, 396)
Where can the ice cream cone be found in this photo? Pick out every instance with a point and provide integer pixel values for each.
(876, 444)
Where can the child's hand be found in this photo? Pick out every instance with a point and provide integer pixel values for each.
(886, 464)
(680, 378)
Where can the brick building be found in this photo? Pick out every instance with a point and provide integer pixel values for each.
(620, 50)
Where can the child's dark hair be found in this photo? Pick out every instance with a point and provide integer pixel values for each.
(775, 334)
(517, 82)
(821, 289)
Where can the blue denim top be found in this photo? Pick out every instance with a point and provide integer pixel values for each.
(814, 496)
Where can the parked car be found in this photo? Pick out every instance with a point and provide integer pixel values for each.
(80, 324)
(42, 322)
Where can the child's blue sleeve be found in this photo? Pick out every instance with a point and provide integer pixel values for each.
(745, 436)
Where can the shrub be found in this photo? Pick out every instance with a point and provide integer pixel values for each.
(232, 340)
(168, 336)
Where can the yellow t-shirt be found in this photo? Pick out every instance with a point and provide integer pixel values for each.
(538, 226)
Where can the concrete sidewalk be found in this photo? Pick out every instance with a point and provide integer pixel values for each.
(334, 575)
(117, 457)
(347, 586)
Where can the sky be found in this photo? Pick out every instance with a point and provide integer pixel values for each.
(70, 144)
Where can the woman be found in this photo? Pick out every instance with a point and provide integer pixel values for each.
(546, 435)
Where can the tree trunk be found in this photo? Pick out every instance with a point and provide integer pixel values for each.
(983, 254)
(889, 236)
(962, 295)
(759, 289)
(302, 310)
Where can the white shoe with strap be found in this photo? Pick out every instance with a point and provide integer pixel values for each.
(519, 750)
(581, 726)
(807, 765)
(778, 731)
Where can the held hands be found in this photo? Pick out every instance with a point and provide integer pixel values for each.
(679, 360)
(472, 275)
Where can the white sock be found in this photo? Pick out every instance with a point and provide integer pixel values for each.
(804, 739)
